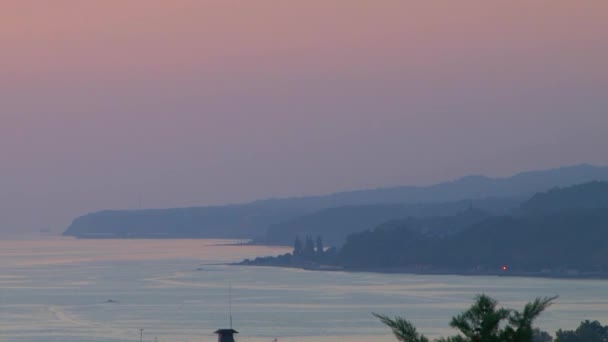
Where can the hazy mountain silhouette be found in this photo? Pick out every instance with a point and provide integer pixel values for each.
(335, 224)
(252, 219)
(590, 195)
(475, 186)
(559, 230)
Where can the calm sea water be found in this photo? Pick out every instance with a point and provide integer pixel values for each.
(57, 290)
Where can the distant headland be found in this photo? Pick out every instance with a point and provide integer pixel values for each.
(334, 216)
(558, 233)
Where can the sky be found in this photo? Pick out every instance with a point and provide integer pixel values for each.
(125, 104)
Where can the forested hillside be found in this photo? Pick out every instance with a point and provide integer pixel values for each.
(560, 237)
(335, 224)
(252, 220)
(565, 234)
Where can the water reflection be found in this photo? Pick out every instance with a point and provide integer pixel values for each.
(176, 290)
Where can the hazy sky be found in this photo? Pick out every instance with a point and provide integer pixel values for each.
(109, 103)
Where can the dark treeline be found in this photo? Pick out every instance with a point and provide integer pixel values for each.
(545, 236)
(587, 331)
(485, 321)
(573, 241)
(307, 253)
(336, 224)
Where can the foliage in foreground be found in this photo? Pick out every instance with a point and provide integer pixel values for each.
(586, 332)
(482, 322)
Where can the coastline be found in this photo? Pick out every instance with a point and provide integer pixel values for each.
(565, 274)
(412, 271)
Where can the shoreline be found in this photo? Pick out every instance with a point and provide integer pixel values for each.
(576, 275)
(405, 270)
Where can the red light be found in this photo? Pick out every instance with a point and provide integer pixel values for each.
(504, 268)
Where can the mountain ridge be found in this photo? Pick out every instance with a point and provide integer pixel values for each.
(249, 220)
(560, 232)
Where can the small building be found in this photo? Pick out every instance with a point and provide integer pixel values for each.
(225, 335)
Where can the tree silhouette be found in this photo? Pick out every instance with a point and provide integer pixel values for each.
(319, 245)
(541, 336)
(297, 247)
(482, 322)
(309, 248)
(520, 327)
(586, 332)
(402, 329)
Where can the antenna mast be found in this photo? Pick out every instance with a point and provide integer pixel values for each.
(230, 303)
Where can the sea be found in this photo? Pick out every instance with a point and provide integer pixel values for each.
(67, 290)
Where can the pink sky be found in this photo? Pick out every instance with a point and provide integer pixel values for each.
(184, 103)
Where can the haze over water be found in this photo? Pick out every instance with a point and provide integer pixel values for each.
(122, 104)
(56, 290)
(112, 105)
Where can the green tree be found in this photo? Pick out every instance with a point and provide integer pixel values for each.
(541, 336)
(482, 322)
(319, 246)
(402, 329)
(520, 327)
(587, 331)
(309, 248)
(297, 247)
